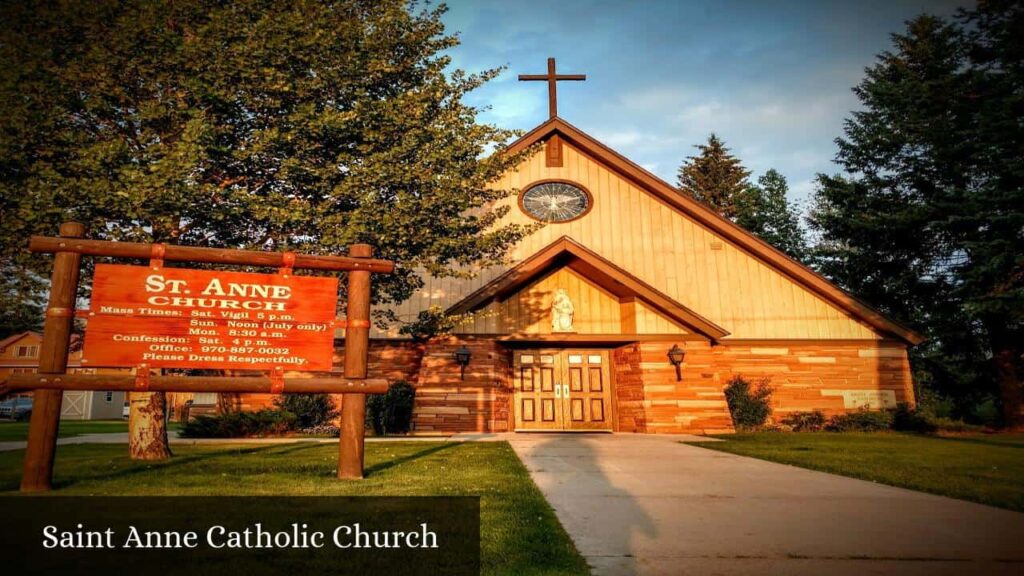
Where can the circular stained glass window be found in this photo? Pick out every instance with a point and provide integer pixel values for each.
(555, 201)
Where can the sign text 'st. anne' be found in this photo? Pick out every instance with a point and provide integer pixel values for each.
(263, 295)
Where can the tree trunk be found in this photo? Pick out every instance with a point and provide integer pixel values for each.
(228, 402)
(1005, 359)
(1005, 356)
(147, 412)
(147, 427)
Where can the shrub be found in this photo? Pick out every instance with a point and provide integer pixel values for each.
(986, 412)
(391, 412)
(863, 420)
(749, 405)
(956, 426)
(805, 421)
(907, 419)
(934, 404)
(322, 430)
(310, 410)
(925, 421)
(240, 424)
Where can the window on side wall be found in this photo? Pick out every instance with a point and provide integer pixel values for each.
(28, 351)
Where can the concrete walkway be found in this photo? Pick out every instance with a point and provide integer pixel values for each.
(637, 504)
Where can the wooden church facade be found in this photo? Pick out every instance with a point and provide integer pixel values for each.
(645, 269)
(575, 333)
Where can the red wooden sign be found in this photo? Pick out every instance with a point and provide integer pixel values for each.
(181, 318)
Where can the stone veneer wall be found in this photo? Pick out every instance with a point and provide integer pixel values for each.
(804, 375)
(446, 404)
(391, 359)
(814, 376)
(651, 400)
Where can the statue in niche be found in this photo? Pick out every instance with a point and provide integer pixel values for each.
(561, 312)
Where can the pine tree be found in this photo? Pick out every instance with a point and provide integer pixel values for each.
(764, 210)
(927, 222)
(714, 177)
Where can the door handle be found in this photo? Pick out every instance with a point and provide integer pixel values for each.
(558, 390)
(566, 391)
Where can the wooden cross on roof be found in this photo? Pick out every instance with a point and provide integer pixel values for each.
(552, 78)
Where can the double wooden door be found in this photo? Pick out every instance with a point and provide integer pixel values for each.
(562, 390)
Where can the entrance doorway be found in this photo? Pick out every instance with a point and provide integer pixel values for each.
(559, 390)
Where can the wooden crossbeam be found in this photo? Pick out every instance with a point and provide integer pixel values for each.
(49, 244)
(256, 384)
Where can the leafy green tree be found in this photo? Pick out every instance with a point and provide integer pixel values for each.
(764, 210)
(714, 177)
(303, 126)
(929, 221)
(21, 302)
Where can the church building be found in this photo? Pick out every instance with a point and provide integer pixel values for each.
(630, 309)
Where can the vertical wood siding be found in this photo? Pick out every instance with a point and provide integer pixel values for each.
(661, 246)
(528, 311)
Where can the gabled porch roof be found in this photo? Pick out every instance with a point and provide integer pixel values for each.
(567, 252)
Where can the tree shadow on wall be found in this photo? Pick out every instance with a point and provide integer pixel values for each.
(605, 522)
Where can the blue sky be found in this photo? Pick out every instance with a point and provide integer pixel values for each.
(772, 79)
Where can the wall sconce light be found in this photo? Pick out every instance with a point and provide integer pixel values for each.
(462, 356)
(675, 356)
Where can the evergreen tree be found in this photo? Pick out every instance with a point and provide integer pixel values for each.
(764, 210)
(929, 221)
(301, 126)
(714, 177)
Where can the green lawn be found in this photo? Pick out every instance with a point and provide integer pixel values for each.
(10, 431)
(519, 531)
(982, 468)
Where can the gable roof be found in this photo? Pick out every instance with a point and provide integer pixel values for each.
(567, 252)
(715, 222)
(15, 337)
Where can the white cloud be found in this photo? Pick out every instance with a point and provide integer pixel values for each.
(508, 106)
(653, 99)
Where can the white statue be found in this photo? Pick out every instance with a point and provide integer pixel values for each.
(561, 312)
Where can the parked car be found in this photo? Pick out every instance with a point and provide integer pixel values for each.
(17, 408)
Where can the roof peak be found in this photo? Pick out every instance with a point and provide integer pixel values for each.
(712, 220)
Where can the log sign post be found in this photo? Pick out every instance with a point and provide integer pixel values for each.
(151, 317)
(53, 359)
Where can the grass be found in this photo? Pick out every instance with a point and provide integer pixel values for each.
(11, 431)
(519, 532)
(982, 468)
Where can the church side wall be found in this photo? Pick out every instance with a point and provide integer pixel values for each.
(833, 377)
